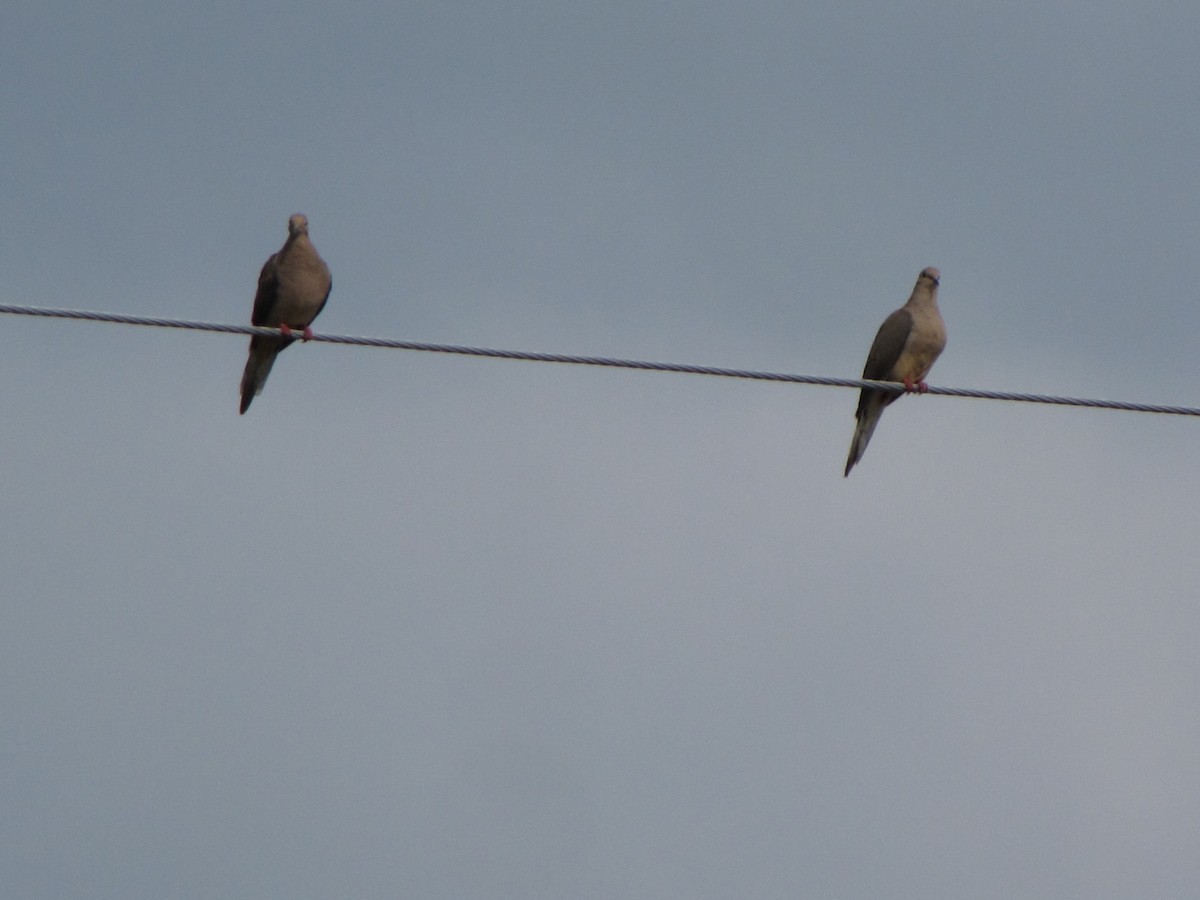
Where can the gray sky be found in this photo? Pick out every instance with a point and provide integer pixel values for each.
(438, 627)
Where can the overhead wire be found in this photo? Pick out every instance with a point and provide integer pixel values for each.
(603, 361)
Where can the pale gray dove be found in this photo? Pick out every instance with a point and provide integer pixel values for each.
(292, 289)
(908, 342)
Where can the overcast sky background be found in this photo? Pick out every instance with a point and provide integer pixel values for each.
(422, 626)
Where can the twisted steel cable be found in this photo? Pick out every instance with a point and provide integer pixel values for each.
(604, 361)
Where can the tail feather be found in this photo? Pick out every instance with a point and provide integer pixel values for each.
(870, 409)
(263, 351)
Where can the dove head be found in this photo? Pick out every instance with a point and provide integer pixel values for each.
(931, 274)
(297, 225)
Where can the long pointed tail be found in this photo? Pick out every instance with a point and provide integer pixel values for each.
(263, 351)
(869, 413)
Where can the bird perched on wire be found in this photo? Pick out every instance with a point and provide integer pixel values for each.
(292, 289)
(908, 343)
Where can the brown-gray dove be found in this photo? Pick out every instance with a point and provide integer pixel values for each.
(908, 342)
(292, 289)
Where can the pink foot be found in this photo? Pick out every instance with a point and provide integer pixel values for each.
(307, 333)
(919, 387)
(285, 329)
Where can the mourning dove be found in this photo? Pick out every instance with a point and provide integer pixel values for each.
(292, 289)
(908, 342)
